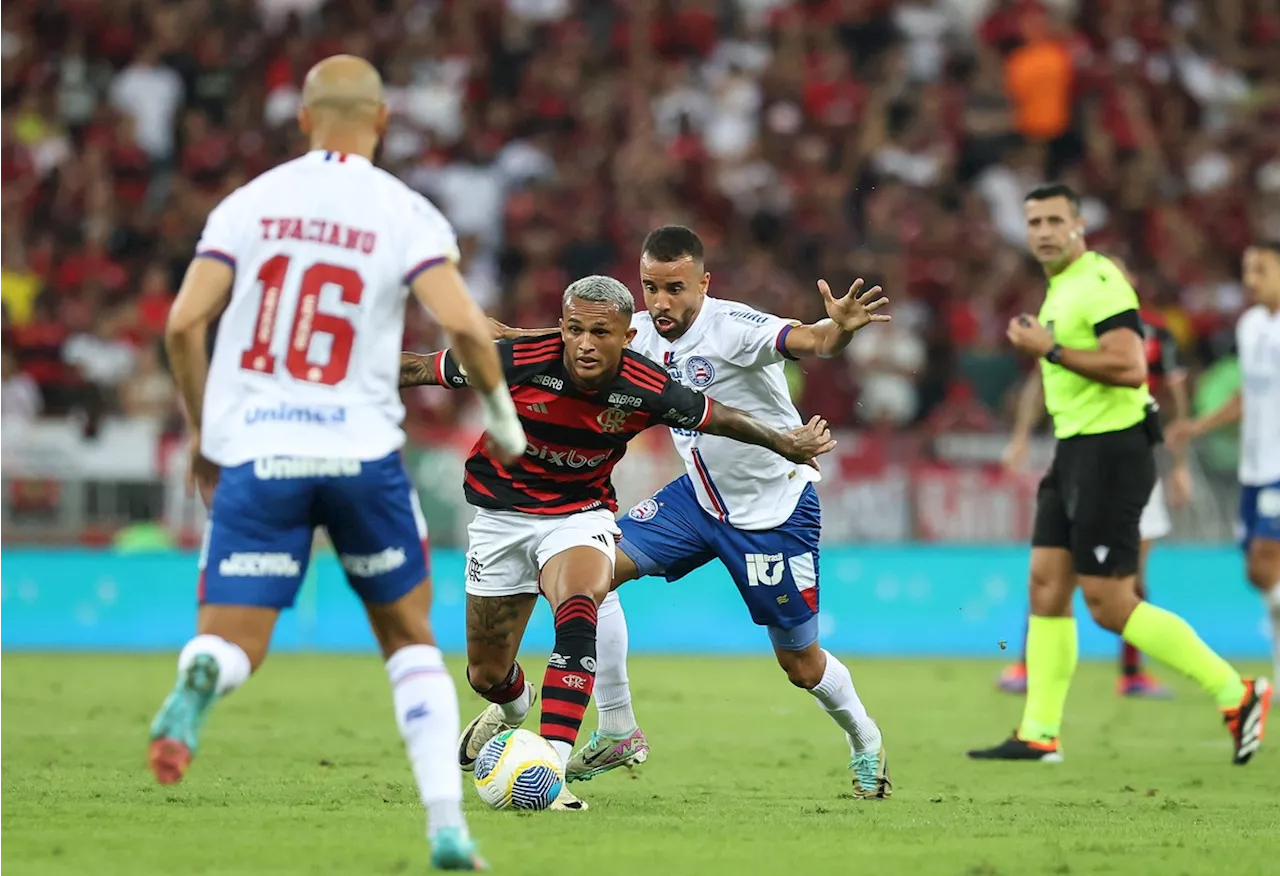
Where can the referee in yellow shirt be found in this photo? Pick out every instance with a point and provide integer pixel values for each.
(1088, 342)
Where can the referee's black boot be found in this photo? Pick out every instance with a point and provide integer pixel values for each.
(1017, 748)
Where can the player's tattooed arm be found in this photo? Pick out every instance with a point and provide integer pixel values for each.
(827, 338)
(800, 445)
(419, 369)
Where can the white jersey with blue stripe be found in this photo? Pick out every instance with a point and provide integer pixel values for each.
(734, 354)
(307, 356)
(1258, 343)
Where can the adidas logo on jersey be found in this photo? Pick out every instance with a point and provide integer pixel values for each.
(538, 408)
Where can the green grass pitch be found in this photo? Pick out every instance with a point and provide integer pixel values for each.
(302, 772)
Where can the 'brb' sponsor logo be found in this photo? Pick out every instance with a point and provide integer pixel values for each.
(319, 415)
(565, 458)
(619, 398)
(369, 565)
(548, 381)
(280, 468)
(259, 565)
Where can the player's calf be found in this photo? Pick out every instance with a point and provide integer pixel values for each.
(426, 708)
(495, 626)
(571, 673)
(619, 741)
(575, 581)
(1263, 569)
(509, 703)
(813, 668)
(804, 668)
(1111, 600)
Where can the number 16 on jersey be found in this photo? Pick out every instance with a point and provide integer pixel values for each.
(308, 321)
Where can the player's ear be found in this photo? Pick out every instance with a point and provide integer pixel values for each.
(706, 281)
(381, 120)
(304, 120)
(631, 333)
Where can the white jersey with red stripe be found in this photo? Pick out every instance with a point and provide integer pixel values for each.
(307, 356)
(736, 355)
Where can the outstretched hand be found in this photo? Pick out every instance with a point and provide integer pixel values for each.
(855, 309)
(808, 441)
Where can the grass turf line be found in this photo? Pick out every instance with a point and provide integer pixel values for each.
(302, 772)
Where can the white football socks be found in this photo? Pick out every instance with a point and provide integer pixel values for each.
(427, 715)
(562, 748)
(613, 689)
(517, 710)
(836, 694)
(233, 663)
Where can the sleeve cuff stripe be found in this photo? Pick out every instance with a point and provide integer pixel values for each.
(425, 265)
(706, 414)
(781, 342)
(218, 256)
(440, 375)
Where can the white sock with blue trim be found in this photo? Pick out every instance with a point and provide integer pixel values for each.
(427, 714)
(613, 689)
(837, 695)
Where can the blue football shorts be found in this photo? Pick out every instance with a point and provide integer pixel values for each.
(775, 570)
(257, 544)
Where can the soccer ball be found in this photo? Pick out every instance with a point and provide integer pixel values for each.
(518, 769)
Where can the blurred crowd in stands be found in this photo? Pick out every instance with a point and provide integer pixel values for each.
(885, 139)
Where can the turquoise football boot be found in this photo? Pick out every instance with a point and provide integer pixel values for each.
(453, 849)
(175, 732)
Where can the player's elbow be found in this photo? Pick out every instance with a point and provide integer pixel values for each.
(182, 327)
(1134, 375)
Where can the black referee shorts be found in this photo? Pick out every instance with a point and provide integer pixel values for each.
(1092, 497)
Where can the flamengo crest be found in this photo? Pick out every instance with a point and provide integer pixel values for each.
(612, 420)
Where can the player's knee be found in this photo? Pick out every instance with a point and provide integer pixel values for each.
(1263, 566)
(1110, 601)
(1050, 584)
(484, 676)
(804, 668)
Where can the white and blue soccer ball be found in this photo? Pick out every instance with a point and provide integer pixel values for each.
(518, 769)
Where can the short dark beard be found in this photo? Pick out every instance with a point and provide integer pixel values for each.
(678, 330)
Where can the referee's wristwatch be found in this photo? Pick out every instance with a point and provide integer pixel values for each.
(1055, 354)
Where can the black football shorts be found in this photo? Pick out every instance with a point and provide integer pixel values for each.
(1091, 499)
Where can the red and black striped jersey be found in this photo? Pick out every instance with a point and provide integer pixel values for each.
(576, 437)
(1161, 348)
